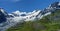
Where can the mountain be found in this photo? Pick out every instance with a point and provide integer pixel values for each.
(3, 15)
(11, 19)
(25, 15)
(49, 20)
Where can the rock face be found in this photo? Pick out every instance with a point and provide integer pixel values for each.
(2, 17)
(55, 5)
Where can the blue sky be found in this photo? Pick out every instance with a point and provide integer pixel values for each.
(25, 5)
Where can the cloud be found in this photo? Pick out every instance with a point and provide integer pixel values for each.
(15, 0)
(10, 0)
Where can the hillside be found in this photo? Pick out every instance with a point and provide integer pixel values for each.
(48, 23)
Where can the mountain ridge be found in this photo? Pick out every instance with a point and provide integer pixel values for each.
(15, 17)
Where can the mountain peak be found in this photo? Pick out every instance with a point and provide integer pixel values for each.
(17, 12)
(59, 3)
(55, 5)
(3, 11)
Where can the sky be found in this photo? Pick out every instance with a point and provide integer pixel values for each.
(25, 5)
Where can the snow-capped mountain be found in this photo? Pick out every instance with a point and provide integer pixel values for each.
(10, 19)
(25, 15)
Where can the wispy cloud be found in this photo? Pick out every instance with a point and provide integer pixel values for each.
(15, 0)
(10, 0)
